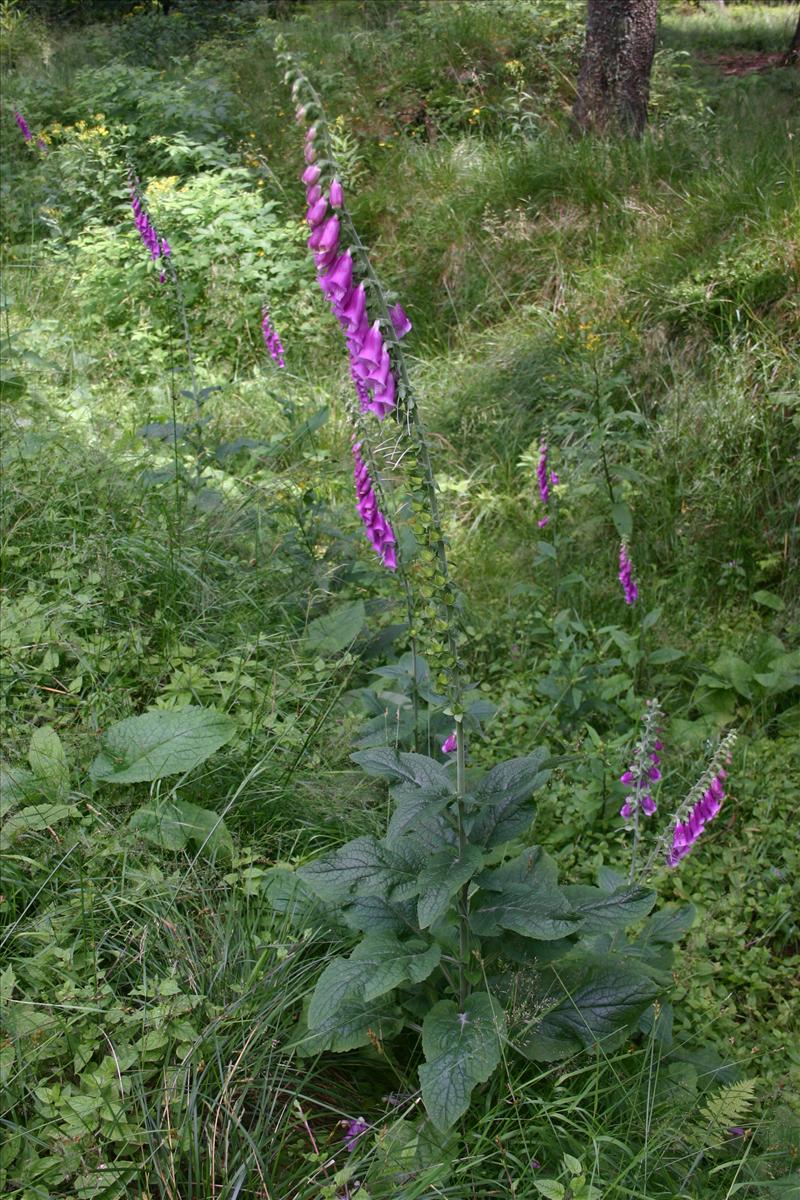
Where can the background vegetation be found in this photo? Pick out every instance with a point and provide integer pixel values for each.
(635, 303)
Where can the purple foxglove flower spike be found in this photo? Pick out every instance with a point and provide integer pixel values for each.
(402, 324)
(629, 587)
(378, 529)
(271, 339)
(541, 474)
(337, 194)
(23, 125)
(702, 811)
(639, 775)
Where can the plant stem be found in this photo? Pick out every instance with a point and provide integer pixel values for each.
(463, 899)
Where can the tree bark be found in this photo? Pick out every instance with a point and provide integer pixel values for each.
(793, 53)
(614, 80)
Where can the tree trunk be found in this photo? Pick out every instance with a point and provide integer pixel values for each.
(793, 53)
(614, 81)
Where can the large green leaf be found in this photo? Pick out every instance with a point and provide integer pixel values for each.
(368, 914)
(405, 767)
(412, 806)
(542, 913)
(601, 912)
(442, 877)
(377, 965)
(174, 824)
(49, 762)
(502, 798)
(33, 820)
(336, 629)
(362, 867)
(159, 743)
(462, 1049)
(356, 1022)
(583, 1000)
(668, 925)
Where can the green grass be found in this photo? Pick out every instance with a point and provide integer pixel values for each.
(149, 997)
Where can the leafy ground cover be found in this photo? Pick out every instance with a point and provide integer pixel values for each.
(181, 544)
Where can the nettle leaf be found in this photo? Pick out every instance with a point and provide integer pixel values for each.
(584, 1000)
(48, 761)
(603, 912)
(442, 877)
(418, 769)
(502, 799)
(336, 629)
(362, 867)
(461, 1049)
(164, 742)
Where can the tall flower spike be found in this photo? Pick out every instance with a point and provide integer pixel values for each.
(271, 339)
(629, 587)
(541, 479)
(644, 771)
(378, 529)
(23, 125)
(702, 804)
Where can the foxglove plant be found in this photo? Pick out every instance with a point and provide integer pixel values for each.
(629, 587)
(451, 892)
(695, 812)
(23, 125)
(271, 339)
(544, 479)
(643, 773)
(702, 804)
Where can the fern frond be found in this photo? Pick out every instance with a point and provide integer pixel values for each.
(730, 1105)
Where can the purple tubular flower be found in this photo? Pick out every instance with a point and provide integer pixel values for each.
(355, 1129)
(629, 587)
(311, 175)
(705, 810)
(402, 325)
(450, 743)
(337, 194)
(541, 474)
(329, 239)
(271, 339)
(309, 153)
(317, 211)
(641, 774)
(378, 529)
(23, 125)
